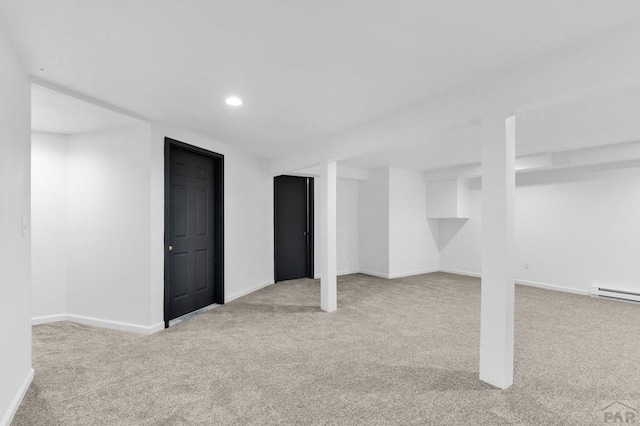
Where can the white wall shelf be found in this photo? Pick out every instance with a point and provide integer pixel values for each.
(448, 199)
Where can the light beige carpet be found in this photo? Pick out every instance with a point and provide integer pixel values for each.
(400, 352)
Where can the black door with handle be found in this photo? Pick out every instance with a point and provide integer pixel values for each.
(193, 230)
(293, 217)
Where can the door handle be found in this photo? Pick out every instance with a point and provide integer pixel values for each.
(170, 247)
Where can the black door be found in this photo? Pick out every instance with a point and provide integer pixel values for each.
(293, 217)
(193, 231)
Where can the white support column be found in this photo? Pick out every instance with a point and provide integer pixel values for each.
(328, 197)
(498, 238)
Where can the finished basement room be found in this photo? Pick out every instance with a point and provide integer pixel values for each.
(337, 213)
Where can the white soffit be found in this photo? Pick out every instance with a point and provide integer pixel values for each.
(55, 112)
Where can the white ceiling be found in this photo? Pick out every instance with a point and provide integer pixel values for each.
(306, 70)
(54, 112)
(460, 146)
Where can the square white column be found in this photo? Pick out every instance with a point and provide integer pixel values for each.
(328, 237)
(498, 241)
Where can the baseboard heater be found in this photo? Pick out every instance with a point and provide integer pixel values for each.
(611, 293)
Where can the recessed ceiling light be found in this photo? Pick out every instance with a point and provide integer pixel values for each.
(233, 101)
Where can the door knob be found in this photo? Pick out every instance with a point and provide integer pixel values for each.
(170, 248)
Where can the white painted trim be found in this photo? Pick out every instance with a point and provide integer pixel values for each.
(98, 322)
(475, 275)
(193, 314)
(353, 173)
(412, 273)
(156, 328)
(17, 400)
(239, 294)
(116, 325)
(458, 272)
(68, 92)
(342, 173)
(553, 287)
(524, 282)
(399, 275)
(123, 326)
(374, 274)
(48, 318)
(379, 274)
(348, 272)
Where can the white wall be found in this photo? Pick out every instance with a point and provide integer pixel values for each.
(113, 220)
(48, 224)
(459, 240)
(248, 214)
(396, 239)
(575, 227)
(348, 227)
(15, 250)
(374, 223)
(413, 245)
(107, 222)
(91, 231)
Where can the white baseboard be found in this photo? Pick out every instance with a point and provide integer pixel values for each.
(239, 294)
(124, 326)
(98, 322)
(394, 276)
(340, 273)
(412, 273)
(17, 400)
(117, 325)
(354, 271)
(553, 287)
(48, 318)
(524, 282)
(459, 272)
(374, 273)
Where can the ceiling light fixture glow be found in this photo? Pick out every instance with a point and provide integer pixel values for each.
(233, 101)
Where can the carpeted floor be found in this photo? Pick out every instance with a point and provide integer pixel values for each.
(400, 352)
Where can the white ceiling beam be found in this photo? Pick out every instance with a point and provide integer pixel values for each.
(73, 94)
(342, 173)
(610, 155)
(604, 61)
